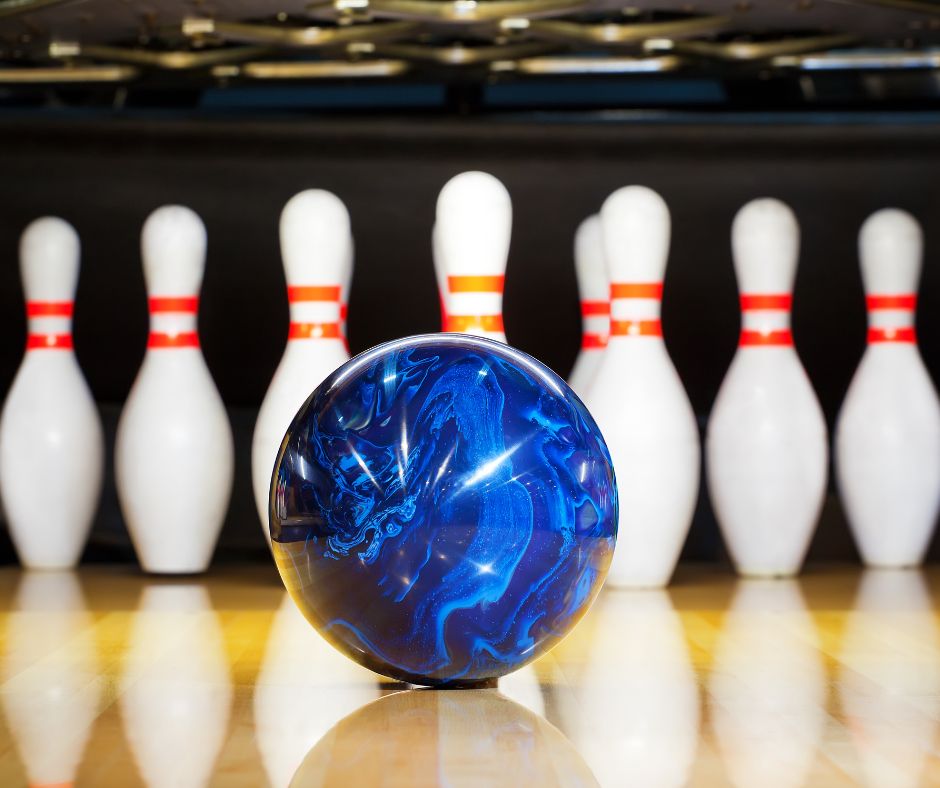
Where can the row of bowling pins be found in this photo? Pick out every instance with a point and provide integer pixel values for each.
(629, 710)
(174, 453)
(766, 446)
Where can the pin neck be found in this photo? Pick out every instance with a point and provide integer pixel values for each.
(49, 325)
(173, 322)
(316, 312)
(765, 319)
(635, 309)
(475, 305)
(891, 318)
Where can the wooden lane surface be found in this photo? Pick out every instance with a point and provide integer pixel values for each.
(109, 678)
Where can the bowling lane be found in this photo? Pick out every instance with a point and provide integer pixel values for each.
(110, 678)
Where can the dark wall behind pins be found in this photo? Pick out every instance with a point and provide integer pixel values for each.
(105, 177)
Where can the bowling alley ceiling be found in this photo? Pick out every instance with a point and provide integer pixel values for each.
(238, 42)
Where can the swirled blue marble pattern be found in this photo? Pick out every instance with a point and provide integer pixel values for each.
(443, 509)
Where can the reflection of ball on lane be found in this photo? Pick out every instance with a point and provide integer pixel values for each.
(443, 509)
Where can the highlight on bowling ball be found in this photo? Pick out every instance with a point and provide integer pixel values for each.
(443, 509)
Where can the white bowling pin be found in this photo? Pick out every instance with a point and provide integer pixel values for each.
(176, 689)
(344, 293)
(594, 289)
(638, 399)
(766, 448)
(474, 223)
(768, 687)
(50, 674)
(51, 441)
(304, 687)
(889, 680)
(888, 433)
(174, 454)
(630, 704)
(316, 247)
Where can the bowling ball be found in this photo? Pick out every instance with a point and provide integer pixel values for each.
(443, 509)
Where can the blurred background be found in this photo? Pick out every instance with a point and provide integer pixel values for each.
(111, 109)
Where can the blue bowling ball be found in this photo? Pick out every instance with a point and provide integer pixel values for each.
(443, 509)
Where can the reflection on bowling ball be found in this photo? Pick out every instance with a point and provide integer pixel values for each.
(423, 737)
(443, 509)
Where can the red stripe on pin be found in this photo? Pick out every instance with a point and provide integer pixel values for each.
(49, 342)
(49, 309)
(595, 308)
(766, 301)
(593, 341)
(903, 302)
(636, 328)
(188, 304)
(652, 290)
(313, 293)
(314, 331)
(782, 338)
(900, 334)
(185, 339)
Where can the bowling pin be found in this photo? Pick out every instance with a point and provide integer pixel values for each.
(638, 399)
(174, 453)
(51, 441)
(344, 294)
(766, 448)
(176, 687)
(52, 685)
(888, 433)
(474, 222)
(594, 289)
(316, 247)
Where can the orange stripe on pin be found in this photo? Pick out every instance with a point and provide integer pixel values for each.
(49, 309)
(636, 328)
(49, 342)
(313, 293)
(900, 334)
(905, 302)
(475, 284)
(174, 304)
(636, 290)
(185, 339)
(314, 331)
(781, 338)
(766, 301)
(462, 323)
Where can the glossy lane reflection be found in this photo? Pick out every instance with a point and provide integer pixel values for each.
(768, 686)
(444, 737)
(51, 686)
(176, 690)
(305, 686)
(633, 708)
(889, 680)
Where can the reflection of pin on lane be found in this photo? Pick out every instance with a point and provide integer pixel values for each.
(888, 434)
(174, 452)
(471, 238)
(766, 448)
(768, 687)
(51, 441)
(632, 711)
(444, 737)
(317, 249)
(638, 399)
(51, 687)
(594, 290)
(176, 690)
(889, 679)
(305, 686)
